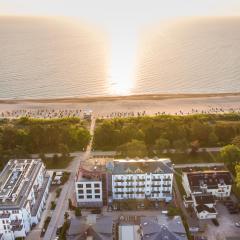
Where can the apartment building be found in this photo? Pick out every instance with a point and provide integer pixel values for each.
(142, 179)
(91, 187)
(204, 188)
(24, 187)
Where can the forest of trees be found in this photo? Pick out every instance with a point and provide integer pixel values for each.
(164, 132)
(21, 137)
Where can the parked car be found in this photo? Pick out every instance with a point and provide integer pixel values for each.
(237, 224)
(96, 211)
(229, 203)
(215, 222)
(58, 230)
(233, 211)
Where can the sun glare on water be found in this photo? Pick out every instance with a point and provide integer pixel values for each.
(122, 66)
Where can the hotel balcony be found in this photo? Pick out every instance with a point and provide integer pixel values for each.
(166, 185)
(16, 225)
(5, 215)
(156, 179)
(118, 180)
(119, 192)
(156, 191)
(166, 179)
(130, 192)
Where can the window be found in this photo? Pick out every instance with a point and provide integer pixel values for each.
(88, 185)
(97, 196)
(80, 185)
(89, 196)
(96, 185)
(80, 196)
(80, 191)
(97, 191)
(89, 191)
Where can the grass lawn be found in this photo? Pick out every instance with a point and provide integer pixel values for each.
(57, 163)
(201, 157)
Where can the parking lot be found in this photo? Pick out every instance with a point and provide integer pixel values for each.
(226, 226)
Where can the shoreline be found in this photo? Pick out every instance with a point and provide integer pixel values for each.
(123, 106)
(118, 98)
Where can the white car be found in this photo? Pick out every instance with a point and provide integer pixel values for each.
(237, 224)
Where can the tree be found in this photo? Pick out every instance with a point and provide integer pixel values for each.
(236, 141)
(180, 145)
(231, 156)
(70, 205)
(194, 146)
(66, 215)
(162, 144)
(64, 150)
(78, 212)
(237, 169)
(213, 139)
(132, 149)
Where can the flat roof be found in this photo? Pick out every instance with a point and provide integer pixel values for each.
(210, 178)
(16, 181)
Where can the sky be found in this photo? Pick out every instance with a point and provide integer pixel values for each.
(123, 20)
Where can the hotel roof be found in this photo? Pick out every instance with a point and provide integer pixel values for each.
(205, 199)
(163, 228)
(142, 166)
(202, 208)
(210, 178)
(16, 180)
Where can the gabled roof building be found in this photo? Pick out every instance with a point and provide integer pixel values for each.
(204, 188)
(142, 179)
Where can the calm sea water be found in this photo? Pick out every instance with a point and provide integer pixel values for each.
(42, 58)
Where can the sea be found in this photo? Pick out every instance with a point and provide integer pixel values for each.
(56, 58)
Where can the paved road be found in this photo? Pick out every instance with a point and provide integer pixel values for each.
(187, 165)
(210, 149)
(68, 190)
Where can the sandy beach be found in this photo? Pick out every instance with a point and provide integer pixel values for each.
(150, 104)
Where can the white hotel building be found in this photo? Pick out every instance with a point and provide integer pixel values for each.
(24, 186)
(89, 186)
(204, 188)
(142, 179)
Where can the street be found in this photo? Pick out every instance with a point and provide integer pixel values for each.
(68, 190)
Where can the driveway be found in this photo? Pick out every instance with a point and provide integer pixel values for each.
(226, 226)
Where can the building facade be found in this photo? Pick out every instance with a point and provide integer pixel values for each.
(203, 189)
(89, 193)
(142, 179)
(24, 187)
(216, 183)
(91, 187)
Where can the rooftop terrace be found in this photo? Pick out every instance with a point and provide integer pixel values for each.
(16, 181)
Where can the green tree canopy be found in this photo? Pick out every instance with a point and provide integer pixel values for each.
(236, 141)
(231, 156)
(132, 149)
(162, 144)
